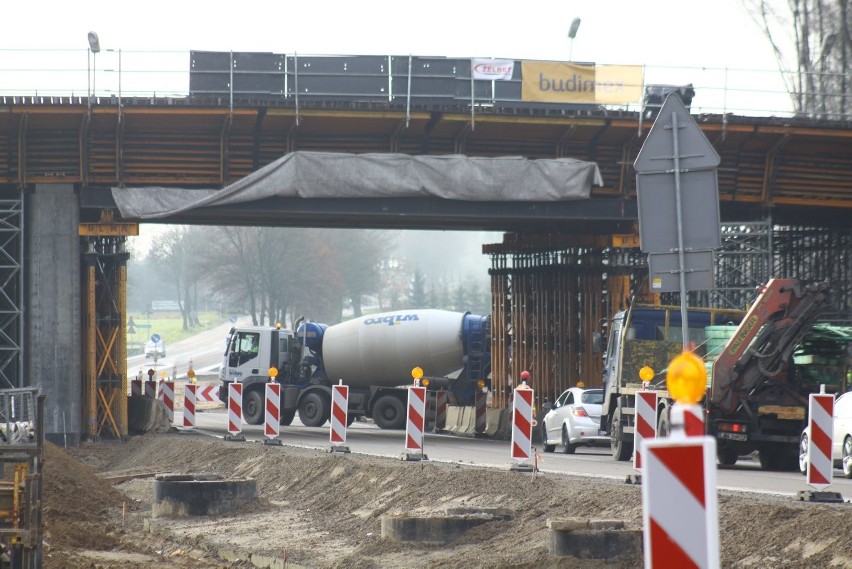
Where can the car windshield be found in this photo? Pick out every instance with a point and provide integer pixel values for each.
(593, 397)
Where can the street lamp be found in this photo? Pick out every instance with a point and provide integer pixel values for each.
(572, 33)
(94, 48)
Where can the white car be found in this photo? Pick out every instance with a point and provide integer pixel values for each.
(573, 420)
(158, 348)
(841, 443)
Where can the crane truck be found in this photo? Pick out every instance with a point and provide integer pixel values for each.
(757, 397)
(374, 355)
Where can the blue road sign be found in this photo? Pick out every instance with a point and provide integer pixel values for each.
(155, 338)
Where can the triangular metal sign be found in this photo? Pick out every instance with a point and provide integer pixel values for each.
(694, 150)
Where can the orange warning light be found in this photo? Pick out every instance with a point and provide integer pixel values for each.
(686, 378)
(646, 373)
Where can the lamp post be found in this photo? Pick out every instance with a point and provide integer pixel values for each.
(94, 48)
(572, 33)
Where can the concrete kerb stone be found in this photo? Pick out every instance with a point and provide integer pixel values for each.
(492, 421)
(145, 415)
(461, 421)
(504, 428)
(453, 420)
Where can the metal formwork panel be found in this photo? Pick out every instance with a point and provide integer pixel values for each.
(364, 78)
(248, 73)
(545, 307)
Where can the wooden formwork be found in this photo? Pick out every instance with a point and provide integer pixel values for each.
(550, 294)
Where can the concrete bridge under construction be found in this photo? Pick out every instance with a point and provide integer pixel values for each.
(785, 189)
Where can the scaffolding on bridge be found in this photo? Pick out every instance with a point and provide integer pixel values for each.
(551, 293)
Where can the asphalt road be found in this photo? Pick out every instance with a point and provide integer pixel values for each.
(366, 438)
(203, 351)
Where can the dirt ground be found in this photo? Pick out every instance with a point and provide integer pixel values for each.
(317, 509)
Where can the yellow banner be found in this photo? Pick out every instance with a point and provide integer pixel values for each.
(550, 82)
(108, 229)
(619, 84)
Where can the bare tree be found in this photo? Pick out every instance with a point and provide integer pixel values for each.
(175, 250)
(811, 41)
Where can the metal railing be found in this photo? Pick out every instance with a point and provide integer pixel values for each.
(108, 76)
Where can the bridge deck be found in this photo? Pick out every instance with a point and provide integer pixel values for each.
(790, 166)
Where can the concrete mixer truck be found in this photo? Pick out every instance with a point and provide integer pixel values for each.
(373, 355)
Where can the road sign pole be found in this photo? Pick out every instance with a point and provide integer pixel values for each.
(681, 254)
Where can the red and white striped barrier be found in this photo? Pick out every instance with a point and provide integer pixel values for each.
(689, 418)
(416, 419)
(646, 423)
(167, 394)
(479, 400)
(207, 393)
(235, 408)
(820, 413)
(151, 389)
(522, 417)
(339, 414)
(680, 507)
(272, 417)
(440, 410)
(136, 388)
(189, 405)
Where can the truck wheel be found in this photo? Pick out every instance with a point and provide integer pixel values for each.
(314, 409)
(621, 450)
(663, 428)
(727, 456)
(286, 417)
(253, 407)
(389, 412)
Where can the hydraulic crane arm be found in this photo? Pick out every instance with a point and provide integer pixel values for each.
(763, 345)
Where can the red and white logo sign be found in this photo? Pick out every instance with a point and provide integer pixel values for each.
(493, 69)
(272, 416)
(416, 419)
(646, 423)
(680, 510)
(339, 413)
(820, 468)
(235, 408)
(522, 418)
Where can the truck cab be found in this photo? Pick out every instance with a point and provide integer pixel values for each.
(249, 354)
(646, 335)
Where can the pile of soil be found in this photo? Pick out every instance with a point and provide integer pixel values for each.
(317, 509)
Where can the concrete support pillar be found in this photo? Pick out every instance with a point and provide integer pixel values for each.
(53, 309)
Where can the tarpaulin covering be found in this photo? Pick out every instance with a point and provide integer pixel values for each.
(340, 175)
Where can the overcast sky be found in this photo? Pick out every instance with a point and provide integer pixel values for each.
(654, 32)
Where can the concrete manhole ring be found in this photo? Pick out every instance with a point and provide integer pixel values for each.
(181, 495)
